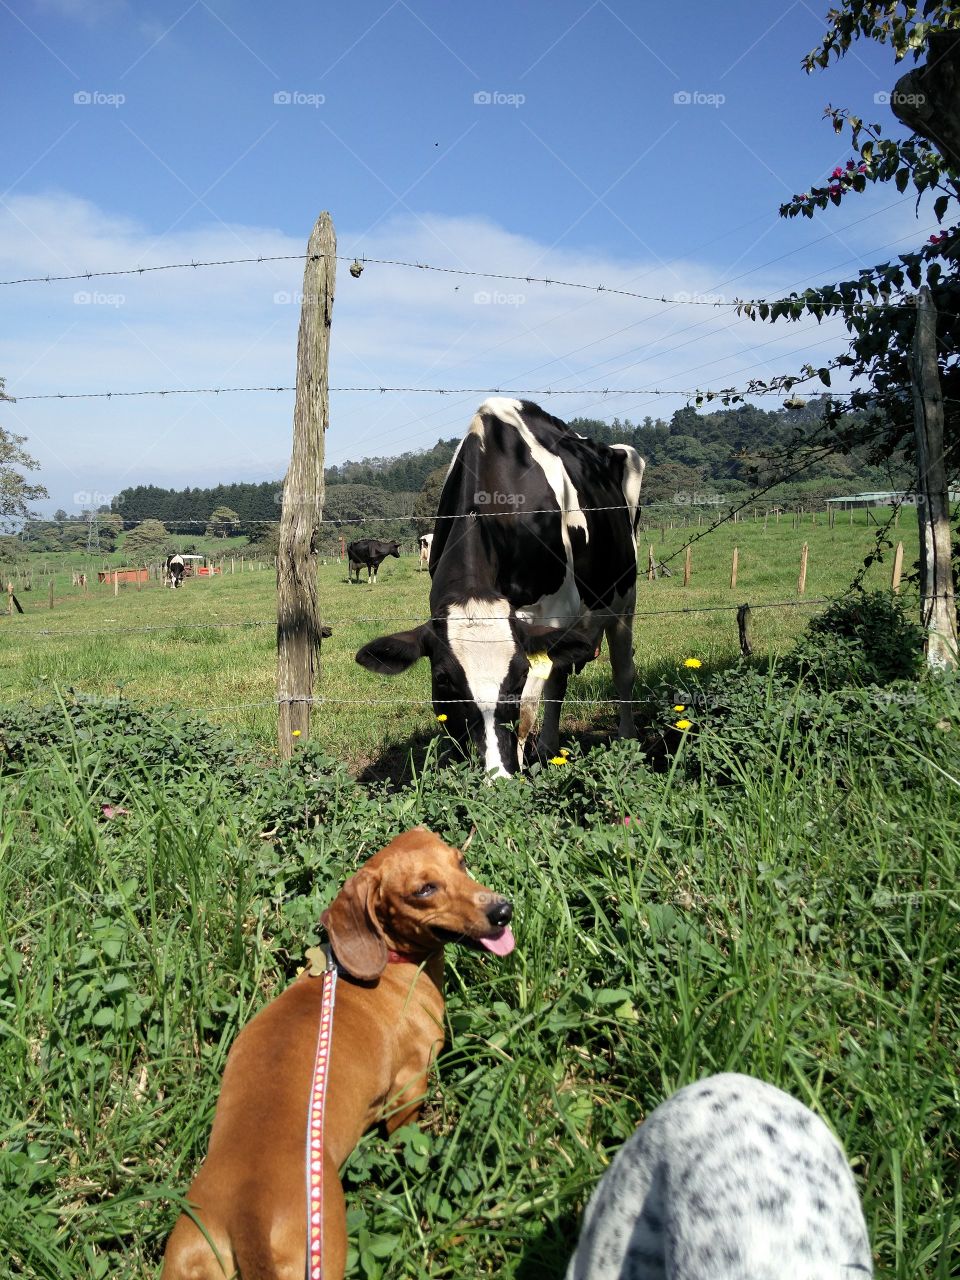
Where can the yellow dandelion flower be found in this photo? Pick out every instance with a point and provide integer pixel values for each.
(441, 718)
(559, 760)
(684, 724)
(564, 751)
(680, 708)
(295, 733)
(693, 663)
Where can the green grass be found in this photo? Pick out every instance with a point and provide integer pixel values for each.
(228, 671)
(791, 914)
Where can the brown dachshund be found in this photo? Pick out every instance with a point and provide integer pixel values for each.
(387, 928)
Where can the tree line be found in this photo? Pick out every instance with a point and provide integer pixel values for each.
(730, 450)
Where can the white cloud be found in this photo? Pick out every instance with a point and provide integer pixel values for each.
(89, 12)
(229, 326)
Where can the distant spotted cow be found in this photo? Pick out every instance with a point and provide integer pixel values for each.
(424, 543)
(370, 553)
(175, 567)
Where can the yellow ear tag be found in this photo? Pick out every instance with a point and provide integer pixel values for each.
(318, 961)
(540, 665)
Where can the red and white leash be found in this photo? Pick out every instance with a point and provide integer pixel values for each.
(318, 1095)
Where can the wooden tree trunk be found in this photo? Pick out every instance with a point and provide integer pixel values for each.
(298, 608)
(937, 604)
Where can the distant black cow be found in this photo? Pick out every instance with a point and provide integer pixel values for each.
(371, 553)
(175, 567)
(534, 559)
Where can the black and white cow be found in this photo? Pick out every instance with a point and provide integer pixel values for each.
(371, 553)
(534, 557)
(175, 569)
(424, 543)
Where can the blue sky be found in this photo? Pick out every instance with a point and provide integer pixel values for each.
(638, 146)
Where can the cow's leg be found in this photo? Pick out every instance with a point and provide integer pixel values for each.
(554, 691)
(620, 640)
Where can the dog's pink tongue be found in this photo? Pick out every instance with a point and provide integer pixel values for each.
(502, 944)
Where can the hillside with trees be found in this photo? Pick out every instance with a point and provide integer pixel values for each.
(728, 451)
(695, 457)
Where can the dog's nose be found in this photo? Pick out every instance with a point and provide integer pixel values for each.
(500, 913)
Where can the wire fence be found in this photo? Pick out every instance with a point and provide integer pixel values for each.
(358, 263)
(393, 618)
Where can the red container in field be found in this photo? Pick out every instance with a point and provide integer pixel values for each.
(123, 575)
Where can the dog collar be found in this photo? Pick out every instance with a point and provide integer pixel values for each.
(405, 957)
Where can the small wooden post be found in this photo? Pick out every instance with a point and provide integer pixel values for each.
(233, 564)
(139, 581)
(10, 598)
(802, 580)
(897, 569)
(116, 582)
(686, 568)
(663, 533)
(851, 517)
(743, 623)
(241, 564)
(51, 593)
(938, 611)
(778, 515)
(734, 566)
(651, 565)
(298, 607)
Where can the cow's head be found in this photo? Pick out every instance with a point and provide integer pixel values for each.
(489, 668)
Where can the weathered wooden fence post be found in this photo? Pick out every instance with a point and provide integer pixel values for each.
(651, 565)
(686, 568)
(298, 610)
(734, 566)
(897, 569)
(743, 623)
(802, 580)
(51, 593)
(938, 612)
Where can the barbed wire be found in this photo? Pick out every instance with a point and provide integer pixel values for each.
(437, 391)
(689, 298)
(187, 523)
(241, 525)
(55, 633)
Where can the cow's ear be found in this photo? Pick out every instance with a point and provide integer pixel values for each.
(389, 655)
(566, 646)
(353, 928)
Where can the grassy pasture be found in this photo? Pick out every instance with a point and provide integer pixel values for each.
(160, 645)
(791, 914)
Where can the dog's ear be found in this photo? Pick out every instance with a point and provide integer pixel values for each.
(355, 934)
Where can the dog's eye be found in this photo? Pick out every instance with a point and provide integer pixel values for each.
(425, 891)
